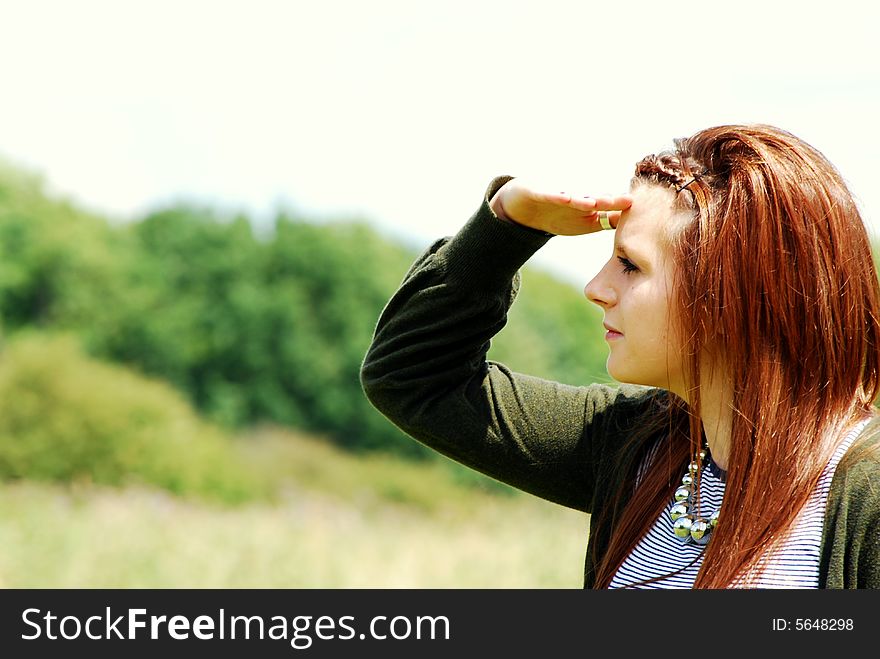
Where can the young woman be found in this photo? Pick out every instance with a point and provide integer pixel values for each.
(742, 312)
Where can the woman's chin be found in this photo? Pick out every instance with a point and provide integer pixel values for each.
(624, 376)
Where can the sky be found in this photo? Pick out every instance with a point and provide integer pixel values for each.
(400, 113)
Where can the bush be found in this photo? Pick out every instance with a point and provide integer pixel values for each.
(252, 327)
(65, 417)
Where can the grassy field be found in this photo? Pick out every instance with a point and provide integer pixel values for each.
(340, 521)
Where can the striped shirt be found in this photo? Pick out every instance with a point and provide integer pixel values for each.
(793, 564)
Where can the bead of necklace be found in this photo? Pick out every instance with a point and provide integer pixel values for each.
(687, 524)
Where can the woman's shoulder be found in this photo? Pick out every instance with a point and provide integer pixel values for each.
(622, 409)
(864, 453)
(629, 394)
(857, 476)
(851, 541)
(625, 398)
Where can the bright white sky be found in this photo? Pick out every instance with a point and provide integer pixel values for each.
(400, 112)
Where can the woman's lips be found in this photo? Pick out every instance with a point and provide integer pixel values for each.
(611, 333)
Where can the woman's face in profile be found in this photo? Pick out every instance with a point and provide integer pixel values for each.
(634, 290)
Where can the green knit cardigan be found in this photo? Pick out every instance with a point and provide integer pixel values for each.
(426, 370)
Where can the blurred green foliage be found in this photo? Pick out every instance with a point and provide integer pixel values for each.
(249, 329)
(65, 417)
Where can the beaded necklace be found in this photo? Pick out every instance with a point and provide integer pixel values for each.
(687, 525)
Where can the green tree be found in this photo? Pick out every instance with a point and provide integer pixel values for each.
(250, 329)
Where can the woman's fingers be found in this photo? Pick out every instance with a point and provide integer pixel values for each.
(588, 202)
(565, 198)
(618, 203)
(558, 211)
(583, 203)
(611, 218)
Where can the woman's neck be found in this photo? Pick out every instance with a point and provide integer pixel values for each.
(716, 412)
(717, 416)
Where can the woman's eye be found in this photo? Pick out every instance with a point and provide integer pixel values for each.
(628, 265)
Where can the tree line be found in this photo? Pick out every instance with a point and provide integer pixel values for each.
(250, 327)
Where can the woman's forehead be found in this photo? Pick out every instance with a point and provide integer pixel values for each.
(652, 219)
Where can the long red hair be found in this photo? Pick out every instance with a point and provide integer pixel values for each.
(775, 280)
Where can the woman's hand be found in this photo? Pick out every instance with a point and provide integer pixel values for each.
(560, 213)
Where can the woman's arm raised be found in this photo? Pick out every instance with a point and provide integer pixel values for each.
(426, 368)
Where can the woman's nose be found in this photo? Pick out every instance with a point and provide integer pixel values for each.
(599, 292)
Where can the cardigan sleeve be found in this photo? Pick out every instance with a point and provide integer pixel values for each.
(426, 370)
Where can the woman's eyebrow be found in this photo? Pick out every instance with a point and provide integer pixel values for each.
(620, 249)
